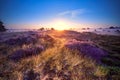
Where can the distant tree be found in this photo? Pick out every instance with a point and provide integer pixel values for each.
(52, 29)
(118, 31)
(88, 28)
(41, 29)
(2, 28)
(112, 27)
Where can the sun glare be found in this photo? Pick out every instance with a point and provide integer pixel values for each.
(60, 24)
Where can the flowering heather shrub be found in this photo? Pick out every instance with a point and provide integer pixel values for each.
(45, 37)
(88, 50)
(31, 75)
(48, 38)
(23, 53)
(21, 41)
(0, 38)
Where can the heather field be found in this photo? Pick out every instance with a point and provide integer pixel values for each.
(59, 55)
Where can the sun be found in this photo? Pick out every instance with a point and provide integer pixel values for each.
(60, 24)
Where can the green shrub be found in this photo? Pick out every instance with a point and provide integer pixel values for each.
(102, 71)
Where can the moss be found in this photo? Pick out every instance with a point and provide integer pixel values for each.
(102, 71)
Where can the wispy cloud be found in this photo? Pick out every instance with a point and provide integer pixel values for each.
(73, 13)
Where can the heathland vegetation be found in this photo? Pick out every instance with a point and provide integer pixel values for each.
(59, 55)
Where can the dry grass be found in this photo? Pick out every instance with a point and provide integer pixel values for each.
(56, 62)
(64, 64)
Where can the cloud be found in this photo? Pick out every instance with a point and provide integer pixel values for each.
(73, 13)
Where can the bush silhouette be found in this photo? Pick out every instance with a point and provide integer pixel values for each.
(2, 28)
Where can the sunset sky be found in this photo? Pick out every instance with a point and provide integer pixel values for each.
(59, 13)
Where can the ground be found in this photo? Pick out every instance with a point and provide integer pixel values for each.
(59, 55)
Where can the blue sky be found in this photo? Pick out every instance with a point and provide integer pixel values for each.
(29, 13)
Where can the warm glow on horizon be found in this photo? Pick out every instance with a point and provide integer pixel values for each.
(60, 24)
